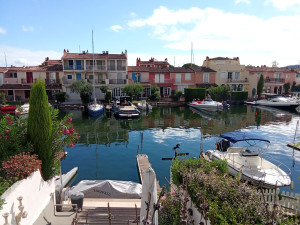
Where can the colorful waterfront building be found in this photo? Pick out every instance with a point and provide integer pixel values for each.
(231, 73)
(274, 77)
(99, 69)
(152, 62)
(16, 82)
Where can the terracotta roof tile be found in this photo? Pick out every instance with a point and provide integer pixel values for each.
(68, 55)
(137, 69)
(266, 69)
(201, 69)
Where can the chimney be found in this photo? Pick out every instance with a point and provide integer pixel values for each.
(87, 51)
(67, 50)
(166, 59)
(64, 50)
(103, 52)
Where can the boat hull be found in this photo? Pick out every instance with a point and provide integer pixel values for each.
(269, 177)
(207, 107)
(8, 108)
(95, 110)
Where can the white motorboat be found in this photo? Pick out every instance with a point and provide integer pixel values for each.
(144, 105)
(125, 109)
(250, 163)
(23, 109)
(278, 102)
(207, 104)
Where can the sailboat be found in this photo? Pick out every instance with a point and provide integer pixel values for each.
(94, 108)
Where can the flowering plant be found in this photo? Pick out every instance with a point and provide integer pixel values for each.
(12, 136)
(21, 165)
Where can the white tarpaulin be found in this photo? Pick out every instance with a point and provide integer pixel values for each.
(149, 186)
(108, 189)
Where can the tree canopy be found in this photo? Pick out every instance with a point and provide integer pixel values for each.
(133, 89)
(83, 88)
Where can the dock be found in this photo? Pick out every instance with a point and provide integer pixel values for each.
(143, 163)
(294, 145)
(71, 106)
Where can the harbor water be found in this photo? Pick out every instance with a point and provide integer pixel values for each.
(108, 146)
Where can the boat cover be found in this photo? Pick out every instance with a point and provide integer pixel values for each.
(108, 189)
(242, 136)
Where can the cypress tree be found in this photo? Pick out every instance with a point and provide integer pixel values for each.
(40, 127)
(260, 85)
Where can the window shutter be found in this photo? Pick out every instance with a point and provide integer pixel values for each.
(47, 75)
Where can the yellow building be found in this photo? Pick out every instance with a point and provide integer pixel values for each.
(230, 72)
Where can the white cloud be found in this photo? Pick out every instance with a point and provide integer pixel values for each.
(116, 28)
(293, 5)
(227, 34)
(26, 57)
(27, 29)
(242, 1)
(2, 30)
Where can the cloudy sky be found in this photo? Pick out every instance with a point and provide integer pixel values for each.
(257, 31)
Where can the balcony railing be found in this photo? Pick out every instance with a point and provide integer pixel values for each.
(52, 81)
(162, 82)
(274, 80)
(117, 81)
(245, 80)
(111, 68)
(79, 67)
(96, 67)
(8, 80)
(96, 81)
(121, 68)
(25, 81)
(68, 67)
(67, 81)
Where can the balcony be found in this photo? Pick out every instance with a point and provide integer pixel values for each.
(162, 82)
(67, 81)
(96, 68)
(25, 81)
(117, 81)
(111, 68)
(68, 67)
(121, 68)
(9, 80)
(245, 80)
(52, 82)
(103, 81)
(79, 67)
(274, 80)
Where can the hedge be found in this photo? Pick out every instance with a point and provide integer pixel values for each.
(239, 95)
(191, 93)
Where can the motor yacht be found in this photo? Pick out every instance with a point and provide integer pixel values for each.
(206, 104)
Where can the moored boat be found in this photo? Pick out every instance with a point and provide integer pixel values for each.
(123, 108)
(278, 102)
(207, 104)
(143, 105)
(250, 163)
(8, 108)
(95, 109)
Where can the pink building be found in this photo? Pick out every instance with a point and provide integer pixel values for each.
(274, 77)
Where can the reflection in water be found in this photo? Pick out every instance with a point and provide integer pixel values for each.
(107, 148)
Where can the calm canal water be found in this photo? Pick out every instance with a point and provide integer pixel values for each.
(107, 147)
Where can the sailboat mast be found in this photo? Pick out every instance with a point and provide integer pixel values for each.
(94, 92)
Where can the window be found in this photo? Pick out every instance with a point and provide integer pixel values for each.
(178, 78)
(91, 77)
(119, 65)
(277, 75)
(182, 87)
(15, 75)
(237, 75)
(70, 77)
(71, 63)
(205, 77)
(187, 76)
(78, 76)
(287, 76)
(159, 78)
(229, 76)
(10, 92)
(223, 75)
(112, 65)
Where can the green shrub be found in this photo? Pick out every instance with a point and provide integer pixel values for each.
(108, 97)
(192, 93)
(60, 97)
(220, 93)
(219, 197)
(239, 95)
(2, 98)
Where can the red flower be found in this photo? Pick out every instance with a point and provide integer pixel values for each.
(67, 131)
(10, 122)
(6, 137)
(72, 145)
(70, 119)
(71, 130)
(7, 117)
(7, 131)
